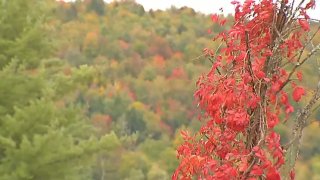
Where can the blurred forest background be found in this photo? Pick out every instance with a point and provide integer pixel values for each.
(100, 91)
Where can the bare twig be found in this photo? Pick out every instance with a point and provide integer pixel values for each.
(315, 50)
(300, 123)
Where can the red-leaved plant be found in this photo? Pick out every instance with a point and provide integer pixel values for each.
(244, 94)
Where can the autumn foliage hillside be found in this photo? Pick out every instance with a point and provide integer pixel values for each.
(146, 65)
(129, 76)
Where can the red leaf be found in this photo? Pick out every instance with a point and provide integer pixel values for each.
(284, 98)
(214, 18)
(298, 92)
(273, 121)
(273, 175)
(275, 86)
(256, 171)
(235, 33)
(299, 75)
(185, 135)
(243, 166)
(266, 79)
(175, 175)
(311, 4)
(234, 2)
(292, 175)
(289, 109)
(304, 24)
(223, 21)
(260, 75)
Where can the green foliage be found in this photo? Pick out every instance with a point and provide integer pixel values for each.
(157, 173)
(16, 90)
(315, 167)
(96, 6)
(43, 135)
(310, 142)
(135, 175)
(91, 90)
(37, 136)
(153, 148)
(22, 32)
(134, 160)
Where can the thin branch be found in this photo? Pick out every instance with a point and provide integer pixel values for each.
(248, 54)
(316, 108)
(197, 58)
(301, 121)
(247, 172)
(316, 49)
(308, 41)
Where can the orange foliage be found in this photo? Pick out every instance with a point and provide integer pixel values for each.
(102, 121)
(33, 71)
(178, 73)
(159, 46)
(159, 110)
(159, 61)
(123, 44)
(60, 103)
(110, 94)
(91, 39)
(132, 95)
(177, 55)
(67, 71)
(166, 127)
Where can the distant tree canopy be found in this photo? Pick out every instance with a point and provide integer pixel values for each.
(97, 6)
(91, 90)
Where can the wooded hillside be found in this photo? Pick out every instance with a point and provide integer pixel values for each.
(91, 90)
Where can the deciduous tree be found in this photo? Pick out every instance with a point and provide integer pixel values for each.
(248, 92)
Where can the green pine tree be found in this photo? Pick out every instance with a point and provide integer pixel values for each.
(40, 139)
(23, 32)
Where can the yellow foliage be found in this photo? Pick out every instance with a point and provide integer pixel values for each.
(118, 86)
(137, 105)
(114, 64)
(101, 90)
(65, 5)
(302, 170)
(124, 13)
(92, 18)
(91, 39)
(177, 137)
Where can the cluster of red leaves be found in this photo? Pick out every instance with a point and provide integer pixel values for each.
(231, 92)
